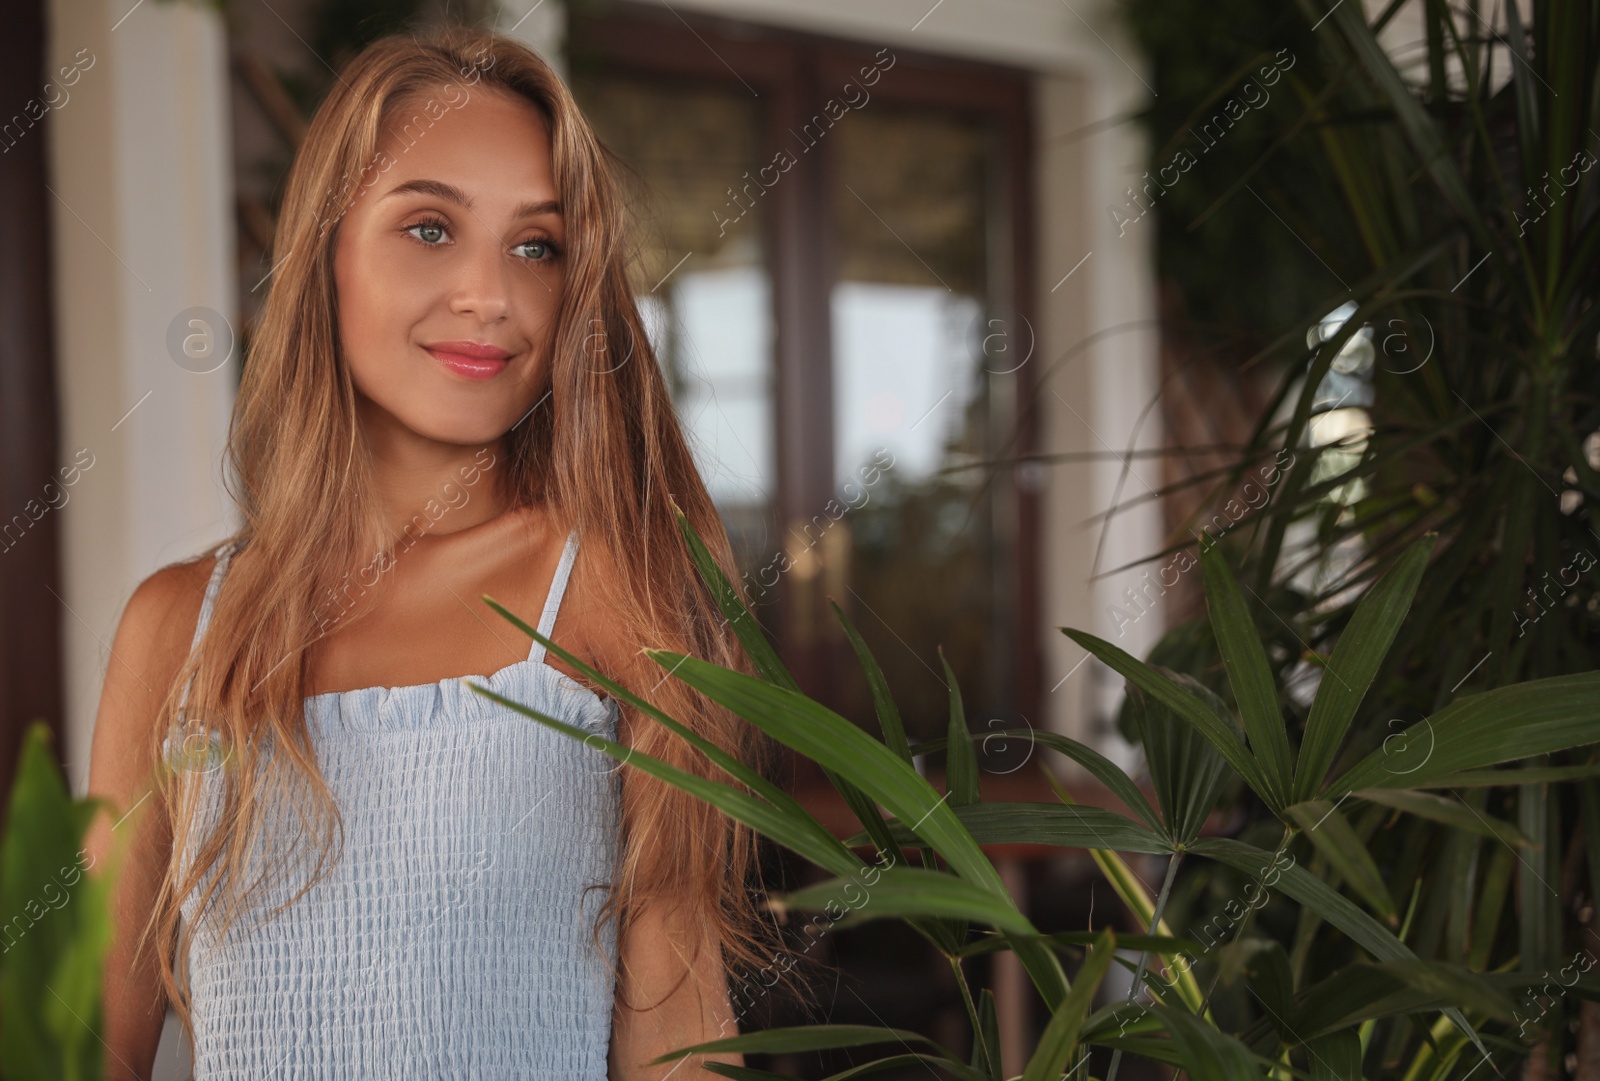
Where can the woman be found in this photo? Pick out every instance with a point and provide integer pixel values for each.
(448, 394)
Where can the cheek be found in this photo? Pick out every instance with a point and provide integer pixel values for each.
(377, 308)
(536, 303)
(536, 296)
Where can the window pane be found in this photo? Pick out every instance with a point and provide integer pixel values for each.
(701, 279)
(929, 562)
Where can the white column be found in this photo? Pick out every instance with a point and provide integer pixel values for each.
(1124, 367)
(1096, 311)
(1066, 267)
(140, 167)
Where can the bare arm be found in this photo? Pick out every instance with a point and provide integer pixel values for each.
(151, 643)
(670, 992)
(666, 999)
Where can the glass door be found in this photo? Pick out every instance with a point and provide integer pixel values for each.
(701, 278)
(918, 404)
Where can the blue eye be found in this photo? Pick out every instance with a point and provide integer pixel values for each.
(428, 223)
(438, 229)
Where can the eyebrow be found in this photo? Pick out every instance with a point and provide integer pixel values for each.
(452, 194)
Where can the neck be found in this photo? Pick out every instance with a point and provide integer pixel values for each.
(425, 487)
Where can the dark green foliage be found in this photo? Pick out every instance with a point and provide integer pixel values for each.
(1452, 198)
(1342, 970)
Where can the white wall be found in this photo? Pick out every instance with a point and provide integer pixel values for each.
(143, 226)
(1096, 311)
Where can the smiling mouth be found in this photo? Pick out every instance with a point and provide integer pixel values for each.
(471, 360)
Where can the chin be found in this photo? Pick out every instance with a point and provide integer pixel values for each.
(473, 432)
(445, 417)
(462, 424)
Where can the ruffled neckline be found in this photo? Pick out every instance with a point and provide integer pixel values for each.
(447, 701)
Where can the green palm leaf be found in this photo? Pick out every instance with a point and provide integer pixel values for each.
(1218, 729)
(1047, 824)
(904, 892)
(1060, 1036)
(1329, 831)
(1322, 899)
(790, 826)
(1355, 663)
(768, 664)
(1249, 674)
(833, 742)
(775, 1041)
(1502, 725)
(894, 731)
(739, 617)
(1207, 1053)
(1362, 992)
(1098, 765)
(961, 764)
(1335, 1056)
(1185, 770)
(1449, 812)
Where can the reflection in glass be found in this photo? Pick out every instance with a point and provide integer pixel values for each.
(902, 378)
(929, 553)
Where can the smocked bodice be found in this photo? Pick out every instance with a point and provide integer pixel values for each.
(454, 935)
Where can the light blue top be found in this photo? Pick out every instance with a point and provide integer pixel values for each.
(454, 936)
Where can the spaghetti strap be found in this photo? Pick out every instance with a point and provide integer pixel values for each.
(552, 602)
(223, 553)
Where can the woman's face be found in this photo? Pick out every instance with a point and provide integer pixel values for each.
(449, 271)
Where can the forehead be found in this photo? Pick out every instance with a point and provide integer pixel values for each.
(488, 142)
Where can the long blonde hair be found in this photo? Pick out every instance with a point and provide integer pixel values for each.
(603, 447)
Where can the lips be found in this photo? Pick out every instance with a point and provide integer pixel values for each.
(475, 360)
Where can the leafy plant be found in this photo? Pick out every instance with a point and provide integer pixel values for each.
(57, 928)
(930, 871)
(1447, 205)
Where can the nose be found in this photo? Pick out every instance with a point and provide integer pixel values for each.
(482, 287)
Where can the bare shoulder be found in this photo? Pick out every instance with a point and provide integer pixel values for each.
(594, 604)
(149, 647)
(158, 623)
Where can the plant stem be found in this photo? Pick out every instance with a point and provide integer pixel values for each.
(1144, 955)
(972, 1008)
